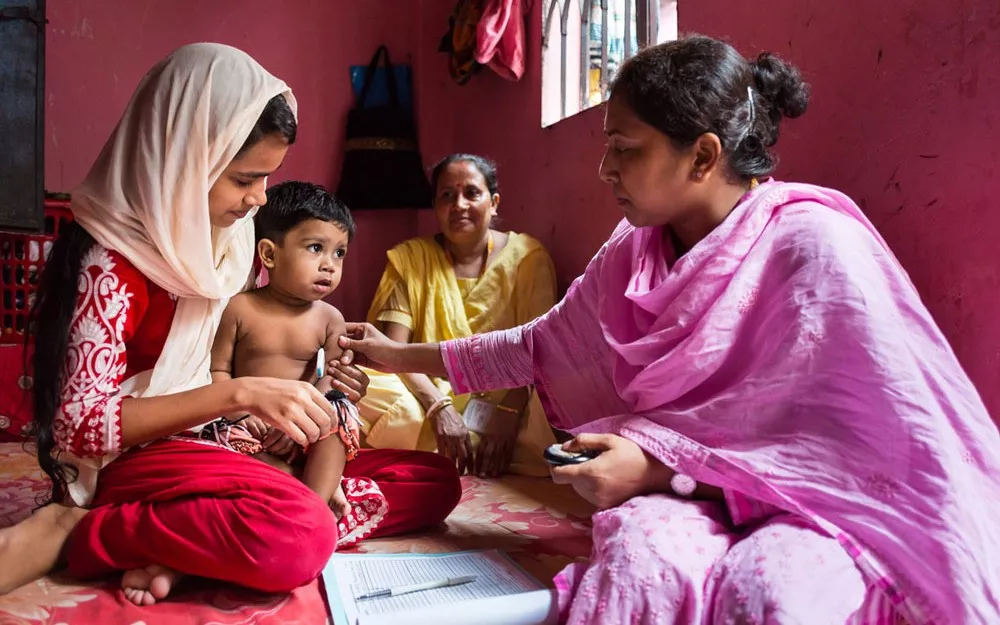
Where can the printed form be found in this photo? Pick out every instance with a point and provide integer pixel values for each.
(502, 592)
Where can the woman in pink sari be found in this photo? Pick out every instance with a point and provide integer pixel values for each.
(785, 434)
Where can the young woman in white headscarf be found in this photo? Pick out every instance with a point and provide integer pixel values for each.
(124, 320)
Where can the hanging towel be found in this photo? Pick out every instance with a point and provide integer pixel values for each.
(500, 38)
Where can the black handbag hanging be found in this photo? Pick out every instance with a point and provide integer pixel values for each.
(382, 165)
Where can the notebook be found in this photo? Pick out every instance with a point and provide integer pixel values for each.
(503, 593)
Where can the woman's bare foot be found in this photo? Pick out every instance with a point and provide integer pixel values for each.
(31, 548)
(149, 585)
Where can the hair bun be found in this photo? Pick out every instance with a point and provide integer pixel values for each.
(781, 85)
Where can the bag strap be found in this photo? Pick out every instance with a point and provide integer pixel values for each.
(370, 77)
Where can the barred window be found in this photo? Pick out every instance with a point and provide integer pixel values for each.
(585, 41)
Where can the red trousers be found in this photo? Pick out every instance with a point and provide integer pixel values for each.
(214, 513)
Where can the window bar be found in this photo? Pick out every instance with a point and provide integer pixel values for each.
(653, 24)
(564, 55)
(604, 49)
(586, 6)
(647, 23)
(550, 13)
(550, 9)
(628, 28)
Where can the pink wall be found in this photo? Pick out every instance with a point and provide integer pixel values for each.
(904, 119)
(99, 49)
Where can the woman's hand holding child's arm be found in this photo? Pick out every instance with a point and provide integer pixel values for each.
(365, 345)
(293, 407)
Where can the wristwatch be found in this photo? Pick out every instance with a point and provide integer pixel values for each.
(683, 485)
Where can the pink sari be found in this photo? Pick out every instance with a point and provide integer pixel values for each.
(788, 358)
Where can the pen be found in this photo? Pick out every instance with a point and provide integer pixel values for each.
(402, 590)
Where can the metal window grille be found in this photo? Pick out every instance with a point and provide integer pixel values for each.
(601, 34)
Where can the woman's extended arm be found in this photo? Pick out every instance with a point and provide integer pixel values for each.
(373, 349)
(149, 418)
(419, 384)
(483, 362)
(296, 408)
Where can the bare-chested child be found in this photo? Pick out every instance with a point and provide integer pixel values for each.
(278, 330)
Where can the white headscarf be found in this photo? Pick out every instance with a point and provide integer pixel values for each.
(146, 197)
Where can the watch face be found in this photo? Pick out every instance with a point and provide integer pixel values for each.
(683, 485)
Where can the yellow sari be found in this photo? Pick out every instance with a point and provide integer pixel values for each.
(420, 291)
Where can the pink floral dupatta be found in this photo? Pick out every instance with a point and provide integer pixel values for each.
(787, 356)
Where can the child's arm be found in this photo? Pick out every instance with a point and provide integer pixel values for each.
(326, 459)
(335, 328)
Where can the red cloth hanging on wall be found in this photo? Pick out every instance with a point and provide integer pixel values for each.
(500, 38)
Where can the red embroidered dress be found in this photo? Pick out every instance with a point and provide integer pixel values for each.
(118, 329)
(203, 509)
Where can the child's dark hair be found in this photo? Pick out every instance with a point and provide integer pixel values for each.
(291, 203)
(697, 84)
(55, 302)
(485, 166)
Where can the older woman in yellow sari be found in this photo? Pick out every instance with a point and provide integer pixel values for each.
(467, 280)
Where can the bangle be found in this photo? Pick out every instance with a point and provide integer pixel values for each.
(438, 406)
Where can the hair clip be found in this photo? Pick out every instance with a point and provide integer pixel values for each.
(751, 118)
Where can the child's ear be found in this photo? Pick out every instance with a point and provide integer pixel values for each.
(265, 249)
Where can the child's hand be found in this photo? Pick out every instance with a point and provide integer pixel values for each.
(278, 443)
(256, 426)
(338, 503)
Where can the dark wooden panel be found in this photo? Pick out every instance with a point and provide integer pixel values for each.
(22, 107)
